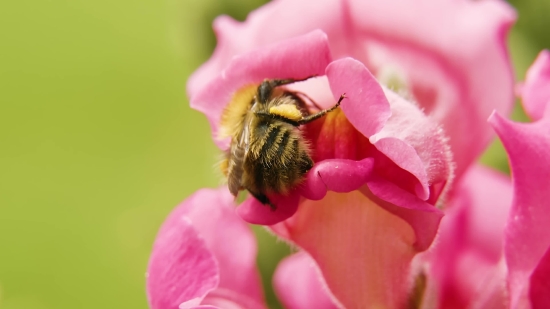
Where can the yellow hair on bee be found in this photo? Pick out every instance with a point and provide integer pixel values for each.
(233, 115)
(224, 166)
(288, 111)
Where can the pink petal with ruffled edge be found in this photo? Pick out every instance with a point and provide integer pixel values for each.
(527, 236)
(467, 253)
(401, 134)
(298, 284)
(296, 58)
(210, 215)
(535, 92)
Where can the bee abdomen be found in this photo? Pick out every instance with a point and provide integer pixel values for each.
(281, 158)
(279, 146)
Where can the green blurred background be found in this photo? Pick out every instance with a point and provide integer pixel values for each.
(98, 144)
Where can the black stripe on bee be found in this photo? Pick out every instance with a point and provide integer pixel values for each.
(272, 134)
(283, 144)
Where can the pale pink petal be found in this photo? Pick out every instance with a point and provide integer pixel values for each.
(363, 251)
(465, 258)
(298, 283)
(296, 58)
(486, 195)
(211, 214)
(459, 85)
(535, 92)
(527, 236)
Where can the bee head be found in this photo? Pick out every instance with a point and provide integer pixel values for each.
(264, 91)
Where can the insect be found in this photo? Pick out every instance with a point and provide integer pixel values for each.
(268, 153)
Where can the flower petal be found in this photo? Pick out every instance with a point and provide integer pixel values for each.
(417, 144)
(423, 217)
(466, 256)
(274, 21)
(365, 106)
(298, 283)
(535, 92)
(252, 211)
(362, 250)
(281, 60)
(527, 236)
(338, 175)
(181, 268)
(211, 214)
(405, 135)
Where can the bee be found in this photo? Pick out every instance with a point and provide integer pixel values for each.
(268, 153)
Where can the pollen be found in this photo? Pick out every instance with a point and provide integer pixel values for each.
(288, 111)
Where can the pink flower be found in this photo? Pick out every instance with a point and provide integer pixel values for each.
(494, 245)
(451, 56)
(388, 149)
(383, 161)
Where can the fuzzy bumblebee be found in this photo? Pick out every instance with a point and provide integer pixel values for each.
(268, 153)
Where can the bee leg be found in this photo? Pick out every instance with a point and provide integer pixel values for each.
(320, 114)
(262, 198)
(281, 82)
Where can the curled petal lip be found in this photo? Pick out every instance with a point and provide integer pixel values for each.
(252, 211)
(338, 175)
